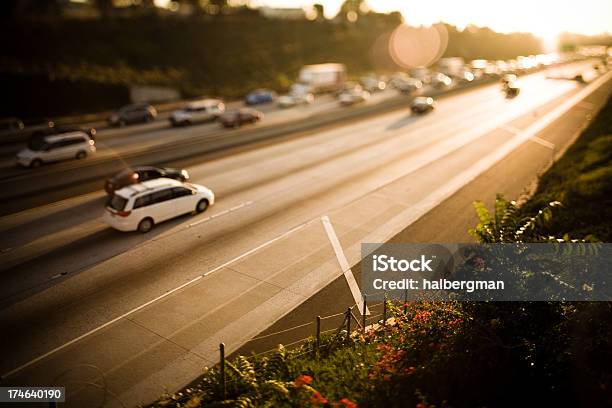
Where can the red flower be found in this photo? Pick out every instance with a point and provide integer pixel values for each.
(410, 370)
(348, 403)
(318, 399)
(301, 380)
(421, 405)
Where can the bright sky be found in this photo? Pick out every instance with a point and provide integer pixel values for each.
(545, 18)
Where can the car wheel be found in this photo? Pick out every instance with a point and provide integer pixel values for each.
(36, 163)
(145, 225)
(81, 155)
(202, 206)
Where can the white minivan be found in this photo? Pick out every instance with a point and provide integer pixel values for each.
(139, 207)
(70, 145)
(205, 110)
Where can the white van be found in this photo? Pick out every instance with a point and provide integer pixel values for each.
(205, 110)
(139, 207)
(70, 145)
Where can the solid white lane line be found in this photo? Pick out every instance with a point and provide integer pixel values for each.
(150, 302)
(344, 265)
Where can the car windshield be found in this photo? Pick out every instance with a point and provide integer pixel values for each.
(117, 203)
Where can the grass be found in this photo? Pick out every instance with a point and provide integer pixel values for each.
(582, 181)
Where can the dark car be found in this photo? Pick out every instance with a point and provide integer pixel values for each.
(142, 173)
(260, 96)
(237, 118)
(423, 104)
(511, 89)
(10, 126)
(136, 113)
(13, 129)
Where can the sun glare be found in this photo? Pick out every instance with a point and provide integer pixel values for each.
(550, 41)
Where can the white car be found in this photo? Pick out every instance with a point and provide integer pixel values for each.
(47, 149)
(140, 206)
(205, 110)
(288, 101)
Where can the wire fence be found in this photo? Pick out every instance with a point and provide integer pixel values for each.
(316, 348)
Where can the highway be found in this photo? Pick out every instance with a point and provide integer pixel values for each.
(75, 293)
(155, 142)
(158, 143)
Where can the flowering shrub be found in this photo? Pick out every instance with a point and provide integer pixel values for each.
(360, 371)
(430, 354)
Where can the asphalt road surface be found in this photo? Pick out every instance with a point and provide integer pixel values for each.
(148, 311)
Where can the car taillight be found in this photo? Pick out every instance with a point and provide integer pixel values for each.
(119, 213)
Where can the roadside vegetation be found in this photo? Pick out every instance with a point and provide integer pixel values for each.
(460, 354)
(582, 181)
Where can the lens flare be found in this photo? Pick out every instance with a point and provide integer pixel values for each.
(418, 46)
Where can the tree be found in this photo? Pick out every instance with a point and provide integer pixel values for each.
(352, 5)
(218, 3)
(320, 11)
(352, 9)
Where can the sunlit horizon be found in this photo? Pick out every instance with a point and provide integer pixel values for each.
(546, 19)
